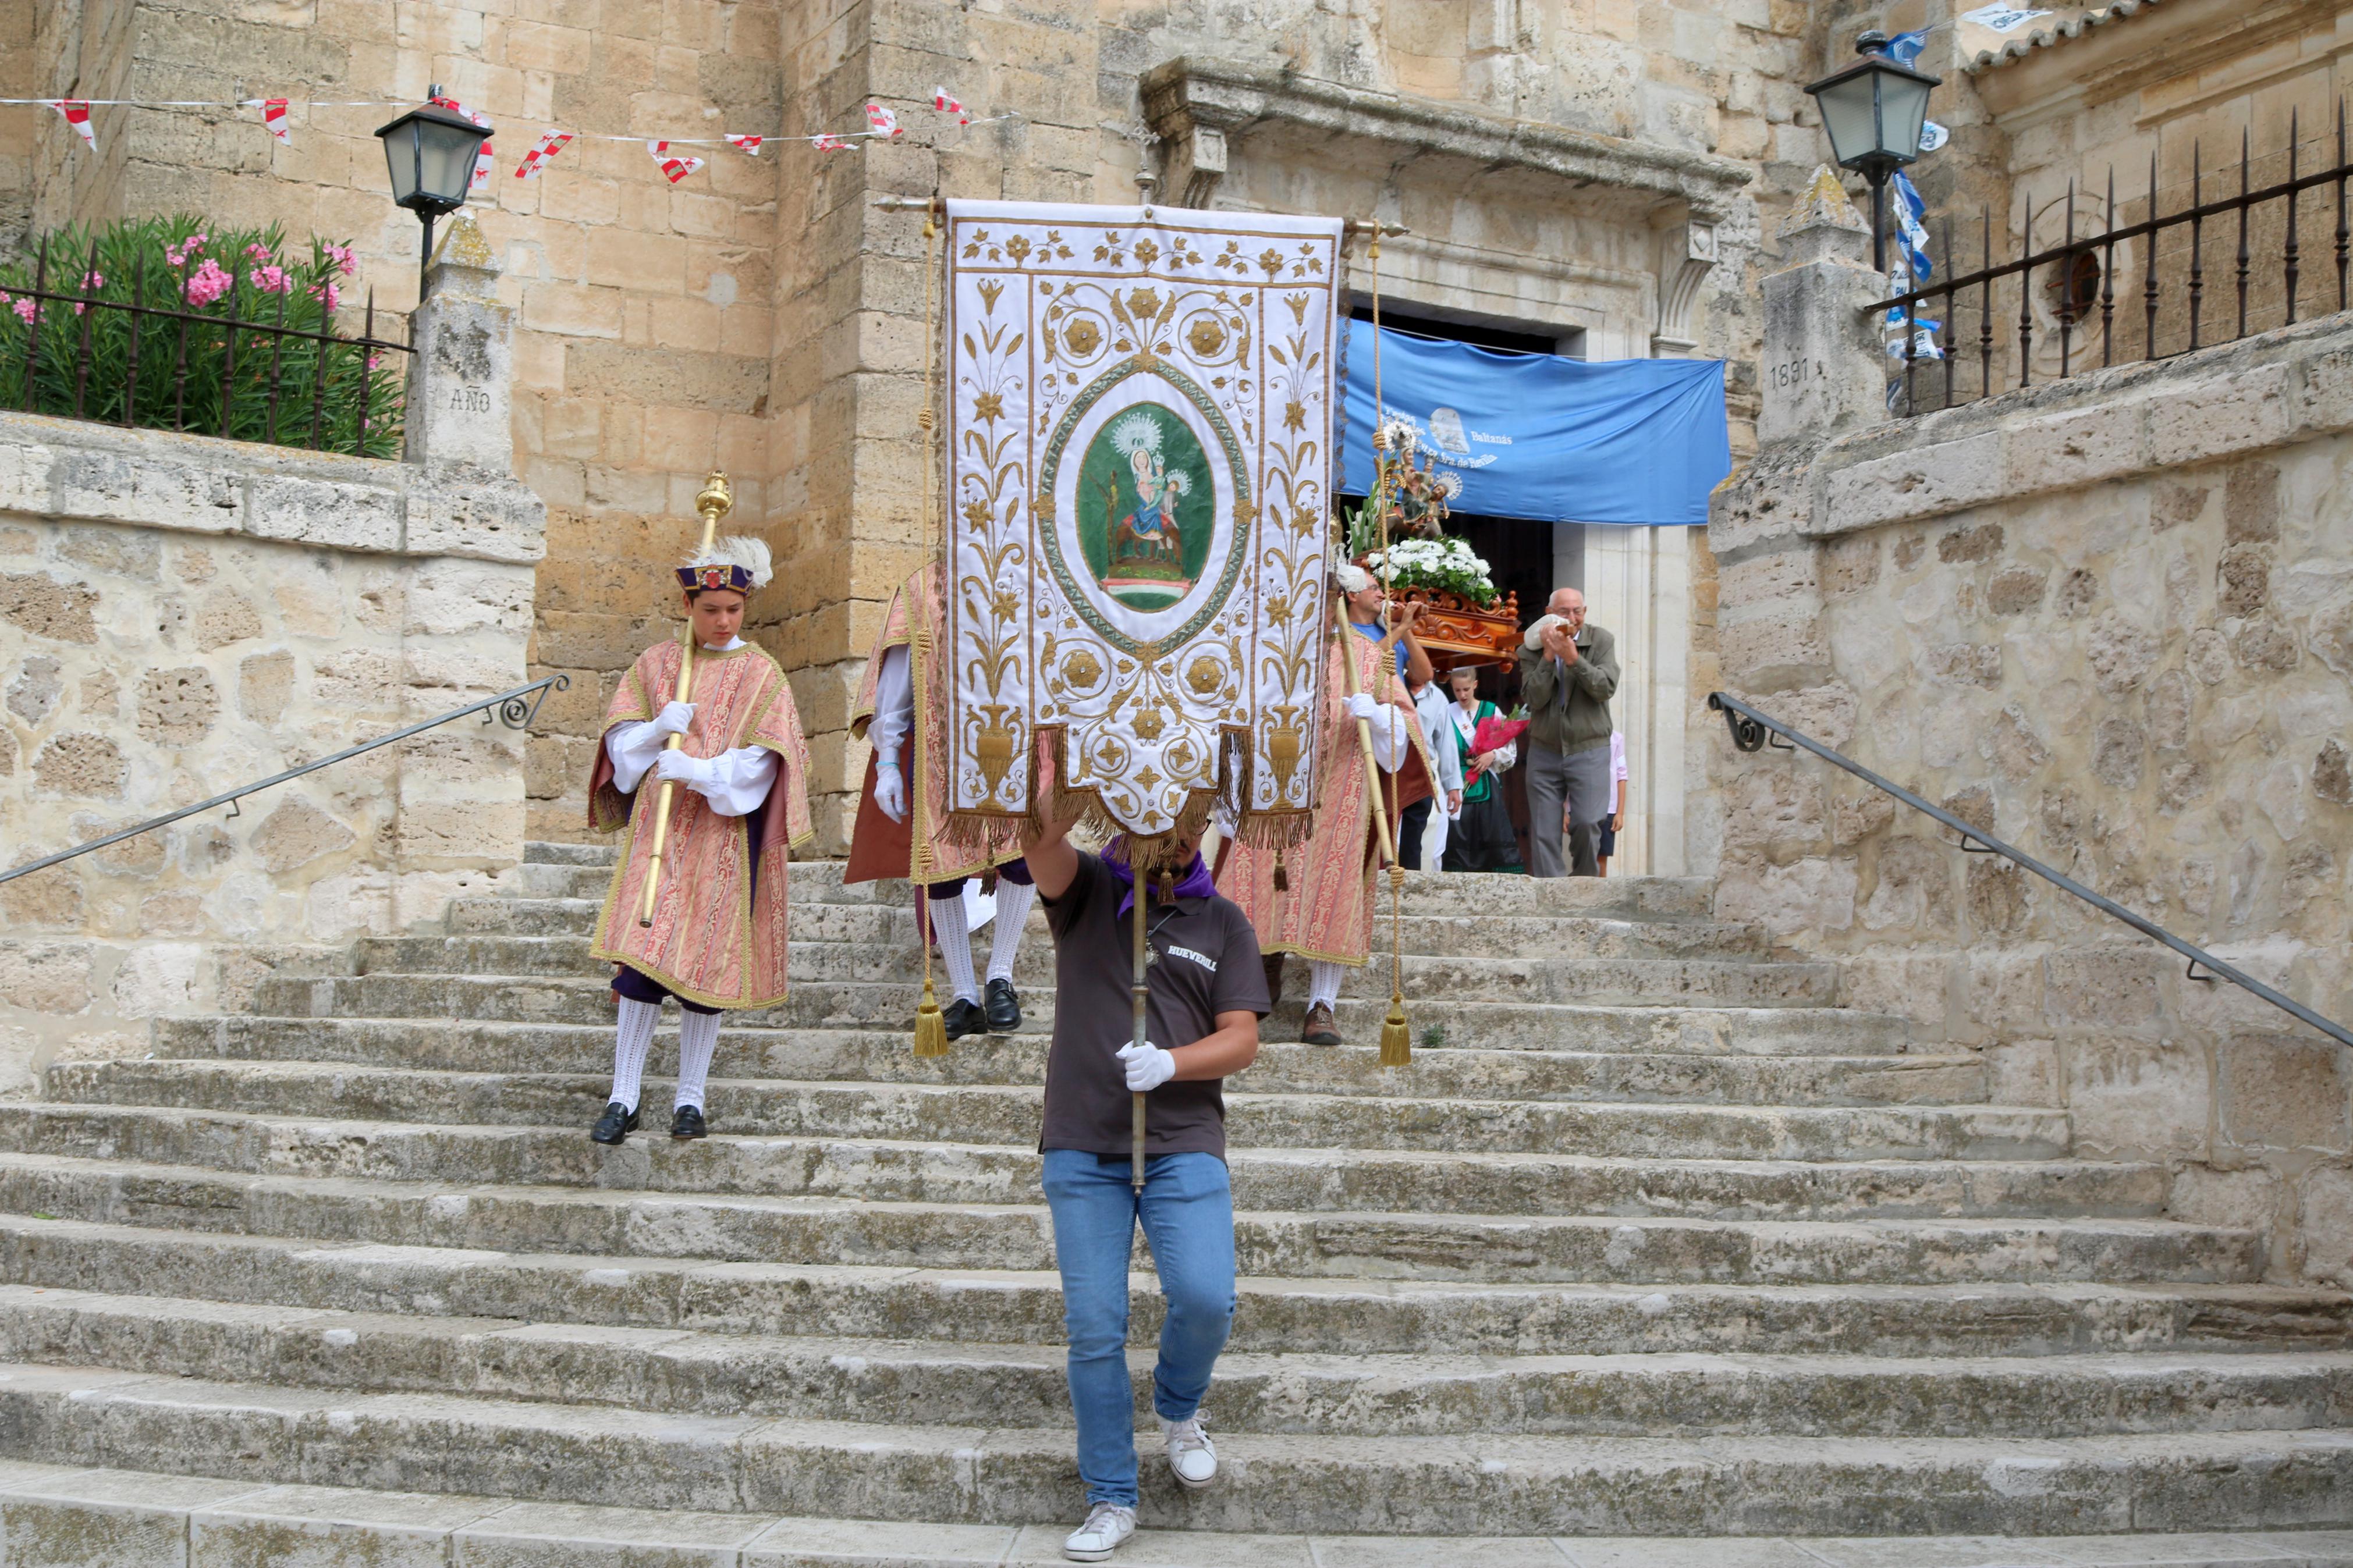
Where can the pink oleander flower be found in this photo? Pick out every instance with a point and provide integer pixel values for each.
(90, 280)
(25, 310)
(209, 283)
(270, 280)
(328, 296)
(343, 256)
(375, 360)
(258, 252)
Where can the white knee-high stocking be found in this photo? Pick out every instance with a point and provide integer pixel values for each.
(956, 945)
(632, 1038)
(698, 1041)
(1323, 982)
(1013, 901)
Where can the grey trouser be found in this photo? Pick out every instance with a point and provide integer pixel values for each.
(1581, 778)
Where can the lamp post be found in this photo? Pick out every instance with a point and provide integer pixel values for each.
(430, 153)
(1873, 110)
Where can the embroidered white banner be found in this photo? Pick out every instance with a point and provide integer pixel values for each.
(1139, 419)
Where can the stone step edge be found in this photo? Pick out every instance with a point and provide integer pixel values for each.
(293, 1070)
(1285, 1155)
(573, 1287)
(1023, 1476)
(115, 1171)
(209, 1520)
(2210, 1368)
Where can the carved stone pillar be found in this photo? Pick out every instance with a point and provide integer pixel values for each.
(1686, 256)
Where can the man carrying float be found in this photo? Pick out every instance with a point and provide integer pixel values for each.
(704, 763)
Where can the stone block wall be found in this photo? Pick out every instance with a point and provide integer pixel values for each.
(765, 316)
(2111, 621)
(180, 616)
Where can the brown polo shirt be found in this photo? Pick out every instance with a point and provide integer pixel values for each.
(1207, 964)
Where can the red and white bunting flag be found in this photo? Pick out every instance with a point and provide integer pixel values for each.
(76, 113)
(273, 115)
(674, 165)
(746, 143)
(882, 120)
(482, 162)
(550, 142)
(945, 104)
(829, 142)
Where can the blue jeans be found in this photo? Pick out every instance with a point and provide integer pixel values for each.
(1187, 1210)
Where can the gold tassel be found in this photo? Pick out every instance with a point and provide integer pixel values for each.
(1282, 873)
(931, 1030)
(1397, 1040)
(1167, 888)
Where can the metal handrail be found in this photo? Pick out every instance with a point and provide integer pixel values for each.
(1752, 731)
(512, 709)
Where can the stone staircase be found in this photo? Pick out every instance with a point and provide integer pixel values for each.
(1652, 1242)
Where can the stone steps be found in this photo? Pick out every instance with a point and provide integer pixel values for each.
(1358, 1317)
(1317, 1180)
(59, 1514)
(1626, 982)
(1001, 1113)
(1495, 1248)
(1608, 898)
(1454, 1072)
(1651, 1240)
(1429, 935)
(890, 1006)
(1495, 1485)
(926, 1383)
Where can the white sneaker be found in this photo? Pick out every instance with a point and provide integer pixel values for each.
(1191, 1455)
(1107, 1527)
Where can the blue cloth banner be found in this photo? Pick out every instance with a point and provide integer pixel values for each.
(1544, 437)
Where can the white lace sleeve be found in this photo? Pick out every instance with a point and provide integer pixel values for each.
(742, 781)
(894, 706)
(633, 748)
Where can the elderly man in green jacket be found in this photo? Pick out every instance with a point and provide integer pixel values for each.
(1569, 671)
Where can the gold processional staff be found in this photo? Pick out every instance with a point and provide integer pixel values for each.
(714, 501)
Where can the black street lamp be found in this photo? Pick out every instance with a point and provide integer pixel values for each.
(1873, 110)
(431, 153)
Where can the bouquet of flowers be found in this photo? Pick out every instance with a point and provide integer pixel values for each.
(1493, 732)
(1449, 565)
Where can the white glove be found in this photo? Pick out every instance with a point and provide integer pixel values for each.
(890, 790)
(680, 768)
(1148, 1067)
(673, 719)
(1362, 705)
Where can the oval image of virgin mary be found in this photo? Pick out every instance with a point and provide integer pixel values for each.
(1146, 508)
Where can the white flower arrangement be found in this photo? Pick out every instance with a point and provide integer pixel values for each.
(1450, 564)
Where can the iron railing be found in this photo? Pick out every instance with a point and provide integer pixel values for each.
(2181, 255)
(122, 397)
(514, 708)
(1753, 730)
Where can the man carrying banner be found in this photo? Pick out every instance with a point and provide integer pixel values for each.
(1324, 910)
(736, 786)
(1206, 998)
(884, 843)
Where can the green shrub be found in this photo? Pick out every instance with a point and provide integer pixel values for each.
(187, 377)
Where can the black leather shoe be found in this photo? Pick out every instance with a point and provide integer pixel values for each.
(962, 1018)
(1272, 963)
(614, 1126)
(686, 1121)
(1003, 1008)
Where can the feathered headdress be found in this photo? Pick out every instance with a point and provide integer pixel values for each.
(738, 561)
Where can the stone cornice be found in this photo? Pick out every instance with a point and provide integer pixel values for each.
(1192, 92)
(81, 471)
(2210, 405)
